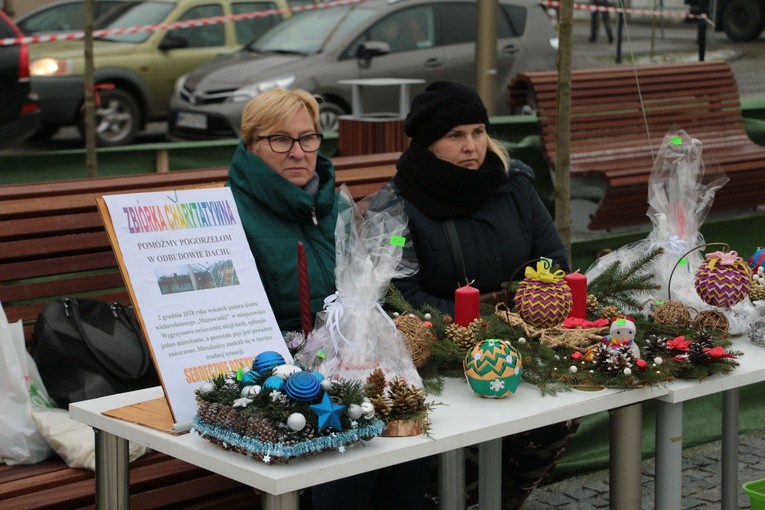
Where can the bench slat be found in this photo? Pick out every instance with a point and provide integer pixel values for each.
(619, 117)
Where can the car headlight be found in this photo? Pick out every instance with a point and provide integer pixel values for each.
(50, 67)
(253, 89)
(179, 84)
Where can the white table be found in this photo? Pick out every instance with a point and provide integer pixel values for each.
(669, 426)
(463, 420)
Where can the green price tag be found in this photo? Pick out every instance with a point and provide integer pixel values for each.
(676, 140)
(397, 240)
(683, 261)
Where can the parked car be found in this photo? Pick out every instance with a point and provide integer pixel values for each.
(423, 39)
(62, 16)
(135, 71)
(19, 108)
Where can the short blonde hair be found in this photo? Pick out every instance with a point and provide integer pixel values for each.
(274, 109)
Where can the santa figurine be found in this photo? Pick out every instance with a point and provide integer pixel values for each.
(622, 333)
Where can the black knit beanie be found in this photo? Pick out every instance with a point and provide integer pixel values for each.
(440, 108)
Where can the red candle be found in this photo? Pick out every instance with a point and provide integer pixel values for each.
(306, 324)
(577, 282)
(467, 304)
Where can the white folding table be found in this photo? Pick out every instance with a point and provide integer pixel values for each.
(463, 419)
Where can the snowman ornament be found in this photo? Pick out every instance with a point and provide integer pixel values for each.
(621, 334)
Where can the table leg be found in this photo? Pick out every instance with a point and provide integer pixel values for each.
(451, 480)
(668, 473)
(626, 457)
(490, 475)
(112, 472)
(730, 450)
(286, 501)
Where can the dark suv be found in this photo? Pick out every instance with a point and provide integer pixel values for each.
(19, 108)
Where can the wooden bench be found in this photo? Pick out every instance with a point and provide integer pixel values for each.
(619, 117)
(53, 244)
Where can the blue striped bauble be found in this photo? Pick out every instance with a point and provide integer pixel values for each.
(302, 386)
(267, 360)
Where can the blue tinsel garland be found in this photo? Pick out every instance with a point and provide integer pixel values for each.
(277, 450)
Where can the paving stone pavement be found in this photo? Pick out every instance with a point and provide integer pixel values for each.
(701, 480)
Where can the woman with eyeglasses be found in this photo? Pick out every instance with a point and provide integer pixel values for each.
(284, 189)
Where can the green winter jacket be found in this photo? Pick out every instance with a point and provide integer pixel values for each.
(276, 215)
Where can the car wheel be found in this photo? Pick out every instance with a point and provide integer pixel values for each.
(116, 119)
(741, 20)
(329, 116)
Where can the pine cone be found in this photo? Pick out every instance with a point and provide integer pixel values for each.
(375, 383)
(757, 292)
(232, 419)
(609, 312)
(465, 338)
(479, 327)
(592, 303)
(382, 405)
(266, 432)
(405, 399)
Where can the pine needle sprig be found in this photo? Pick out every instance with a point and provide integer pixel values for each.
(624, 287)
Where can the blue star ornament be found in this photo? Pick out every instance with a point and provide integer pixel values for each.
(328, 413)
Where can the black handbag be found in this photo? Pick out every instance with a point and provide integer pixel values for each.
(85, 348)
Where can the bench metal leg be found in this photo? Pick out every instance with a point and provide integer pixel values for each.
(286, 501)
(112, 472)
(490, 474)
(626, 457)
(451, 480)
(669, 455)
(730, 450)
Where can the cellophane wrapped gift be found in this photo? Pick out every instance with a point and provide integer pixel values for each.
(680, 195)
(354, 334)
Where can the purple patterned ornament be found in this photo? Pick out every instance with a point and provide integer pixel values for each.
(723, 279)
(302, 386)
(543, 299)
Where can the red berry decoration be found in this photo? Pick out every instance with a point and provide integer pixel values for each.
(723, 279)
(543, 299)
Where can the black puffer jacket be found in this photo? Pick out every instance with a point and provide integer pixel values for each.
(510, 228)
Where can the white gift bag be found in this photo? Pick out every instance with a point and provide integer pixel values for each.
(21, 389)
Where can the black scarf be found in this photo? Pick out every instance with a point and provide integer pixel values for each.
(442, 190)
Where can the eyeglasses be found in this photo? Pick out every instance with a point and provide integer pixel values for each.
(284, 143)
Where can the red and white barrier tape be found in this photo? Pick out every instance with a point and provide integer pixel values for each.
(74, 36)
(641, 12)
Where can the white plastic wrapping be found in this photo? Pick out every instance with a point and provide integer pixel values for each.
(679, 199)
(355, 334)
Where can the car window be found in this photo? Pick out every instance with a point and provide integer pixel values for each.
(458, 22)
(133, 15)
(517, 17)
(206, 35)
(405, 30)
(250, 28)
(62, 18)
(307, 32)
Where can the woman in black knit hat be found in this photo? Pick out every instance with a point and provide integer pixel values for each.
(474, 216)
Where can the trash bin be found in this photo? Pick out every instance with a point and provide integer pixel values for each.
(370, 133)
(756, 492)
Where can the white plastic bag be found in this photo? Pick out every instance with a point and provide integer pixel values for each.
(21, 389)
(357, 336)
(680, 194)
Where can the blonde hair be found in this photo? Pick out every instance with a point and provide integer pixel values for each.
(500, 151)
(274, 109)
